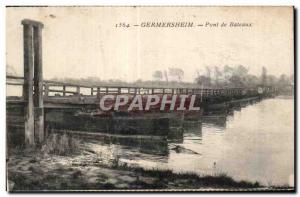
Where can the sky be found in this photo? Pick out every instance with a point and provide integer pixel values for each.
(81, 42)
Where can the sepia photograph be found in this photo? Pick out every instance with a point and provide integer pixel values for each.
(150, 99)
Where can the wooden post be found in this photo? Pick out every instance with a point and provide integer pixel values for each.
(46, 91)
(98, 92)
(78, 91)
(92, 91)
(64, 90)
(28, 83)
(33, 79)
(38, 83)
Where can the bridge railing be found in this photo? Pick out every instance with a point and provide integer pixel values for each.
(14, 80)
(55, 89)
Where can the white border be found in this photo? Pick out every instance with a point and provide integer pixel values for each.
(4, 3)
(152, 2)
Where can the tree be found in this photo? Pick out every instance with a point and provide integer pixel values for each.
(292, 79)
(241, 71)
(217, 75)
(228, 72)
(252, 80)
(236, 81)
(283, 81)
(203, 80)
(271, 80)
(157, 75)
(264, 76)
(177, 73)
(208, 74)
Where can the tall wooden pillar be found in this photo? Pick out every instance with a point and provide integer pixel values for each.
(38, 83)
(28, 84)
(33, 79)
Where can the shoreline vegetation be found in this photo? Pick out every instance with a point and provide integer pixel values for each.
(64, 163)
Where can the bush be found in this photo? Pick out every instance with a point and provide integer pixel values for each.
(60, 144)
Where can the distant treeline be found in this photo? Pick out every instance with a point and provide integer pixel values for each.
(228, 76)
(213, 77)
(238, 76)
(95, 81)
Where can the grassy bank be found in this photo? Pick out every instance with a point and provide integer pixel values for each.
(67, 163)
(33, 170)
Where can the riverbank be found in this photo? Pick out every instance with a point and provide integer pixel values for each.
(34, 170)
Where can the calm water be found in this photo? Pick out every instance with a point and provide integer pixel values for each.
(255, 142)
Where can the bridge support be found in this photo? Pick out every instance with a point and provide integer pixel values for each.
(33, 80)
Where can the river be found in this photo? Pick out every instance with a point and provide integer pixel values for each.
(253, 142)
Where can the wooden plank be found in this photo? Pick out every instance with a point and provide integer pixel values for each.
(13, 77)
(14, 84)
(62, 91)
(60, 84)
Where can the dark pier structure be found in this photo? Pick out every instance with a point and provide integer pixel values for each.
(27, 115)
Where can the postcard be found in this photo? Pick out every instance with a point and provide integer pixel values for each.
(150, 98)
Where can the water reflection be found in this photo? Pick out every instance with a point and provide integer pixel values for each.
(250, 141)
